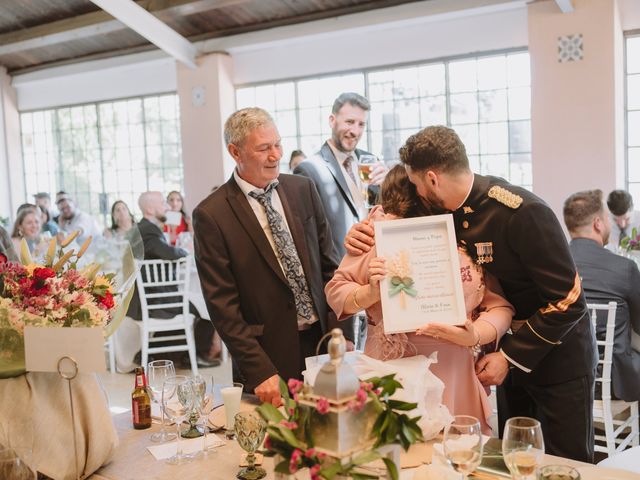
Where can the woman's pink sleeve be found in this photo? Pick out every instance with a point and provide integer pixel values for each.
(351, 274)
(495, 309)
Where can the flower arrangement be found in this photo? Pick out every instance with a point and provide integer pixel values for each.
(392, 426)
(632, 242)
(53, 293)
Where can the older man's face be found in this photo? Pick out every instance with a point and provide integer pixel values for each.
(258, 158)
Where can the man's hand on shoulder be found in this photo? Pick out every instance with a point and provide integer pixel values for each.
(269, 391)
(359, 238)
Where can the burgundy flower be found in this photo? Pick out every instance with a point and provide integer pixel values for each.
(3, 258)
(42, 273)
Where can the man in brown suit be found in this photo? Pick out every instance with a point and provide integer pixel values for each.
(264, 254)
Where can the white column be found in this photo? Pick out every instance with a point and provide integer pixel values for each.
(12, 185)
(207, 98)
(576, 107)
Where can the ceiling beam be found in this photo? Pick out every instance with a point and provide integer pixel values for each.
(151, 28)
(100, 22)
(566, 6)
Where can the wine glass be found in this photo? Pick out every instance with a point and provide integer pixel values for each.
(463, 444)
(157, 372)
(203, 388)
(366, 163)
(250, 429)
(178, 399)
(522, 446)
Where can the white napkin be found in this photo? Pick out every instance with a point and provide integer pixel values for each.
(191, 445)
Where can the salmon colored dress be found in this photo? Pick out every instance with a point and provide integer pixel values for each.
(463, 392)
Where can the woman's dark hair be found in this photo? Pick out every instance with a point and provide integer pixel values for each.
(182, 210)
(399, 197)
(114, 225)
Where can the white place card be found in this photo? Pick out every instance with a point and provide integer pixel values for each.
(45, 346)
(189, 446)
(423, 282)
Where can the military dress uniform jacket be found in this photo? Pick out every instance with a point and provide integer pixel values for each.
(515, 236)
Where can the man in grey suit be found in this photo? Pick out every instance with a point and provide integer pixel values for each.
(334, 171)
(607, 277)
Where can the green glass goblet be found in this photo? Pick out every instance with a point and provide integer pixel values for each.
(250, 430)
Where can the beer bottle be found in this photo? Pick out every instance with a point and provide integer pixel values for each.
(141, 402)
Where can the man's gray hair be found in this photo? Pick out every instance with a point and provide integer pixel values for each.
(241, 123)
(351, 98)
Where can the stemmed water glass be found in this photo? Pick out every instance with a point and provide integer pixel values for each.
(157, 372)
(178, 399)
(250, 430)
(522, 446)
(203, 388)
(463, 444)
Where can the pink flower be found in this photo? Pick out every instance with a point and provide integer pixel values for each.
(289, 425)
(267, 442)
(291, 411)
(295, 386)
(295, 459)
(322, 406)
(367, 386)
(313, 471)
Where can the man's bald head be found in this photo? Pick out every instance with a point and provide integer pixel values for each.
(153, 206)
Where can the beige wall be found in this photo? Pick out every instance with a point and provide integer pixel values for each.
(206, 161)
(576, 110)
(12, 191)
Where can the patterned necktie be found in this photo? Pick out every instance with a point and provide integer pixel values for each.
(347, 166)
(287, 254)
(623, 234)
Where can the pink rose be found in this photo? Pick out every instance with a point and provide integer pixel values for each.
(295, 385)
(295, 459)
(313, 471)
(322, 406)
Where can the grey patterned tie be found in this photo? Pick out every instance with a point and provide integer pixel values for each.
(347, 166)
(287, 254)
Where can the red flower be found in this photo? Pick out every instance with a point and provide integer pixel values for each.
(106, 300)
(313, 472)
(295, 459)
(42, 273)
(3, 258)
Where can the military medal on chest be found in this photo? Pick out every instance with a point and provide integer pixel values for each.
(484, 252)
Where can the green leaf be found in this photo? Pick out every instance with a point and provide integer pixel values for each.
(270, 413)
(366, 457)
(331, 471)
(284, 390)
(399, 405)
(283, 467)
(391, 468)
(362, 476)
(289, 437)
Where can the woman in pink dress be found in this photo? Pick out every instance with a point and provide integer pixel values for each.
(355, 287)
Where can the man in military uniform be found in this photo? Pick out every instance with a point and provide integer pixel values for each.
(546, 367)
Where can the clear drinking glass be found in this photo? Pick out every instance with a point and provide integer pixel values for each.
(178, 399)
(366, 163)
(250, 430)
(463, 444)
(522, 446)
(203, 388)
(157, 372)
(231, 397)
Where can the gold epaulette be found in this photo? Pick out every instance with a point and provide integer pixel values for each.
(505, 197)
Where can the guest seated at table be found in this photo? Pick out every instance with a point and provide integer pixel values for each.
(154, 208)
(122, 220)
(176, 204)
(607, 277)
(28, 226)
(356, 286)
(72, 219)
(43, 201)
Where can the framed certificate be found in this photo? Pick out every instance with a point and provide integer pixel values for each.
(423, 282)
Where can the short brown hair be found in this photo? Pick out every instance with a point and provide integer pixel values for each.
(580, 208)
(351, 98)
(435, 148)
(619, 202)
(398, 196)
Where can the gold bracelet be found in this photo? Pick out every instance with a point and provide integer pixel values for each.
(355, 300)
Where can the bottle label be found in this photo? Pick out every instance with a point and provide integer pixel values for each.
(135, 408)
(140, 381)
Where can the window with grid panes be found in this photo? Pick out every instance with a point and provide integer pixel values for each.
(103, 152)
(633, 115)
(485, 98)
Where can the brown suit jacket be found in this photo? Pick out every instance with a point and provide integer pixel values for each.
(247, 295)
